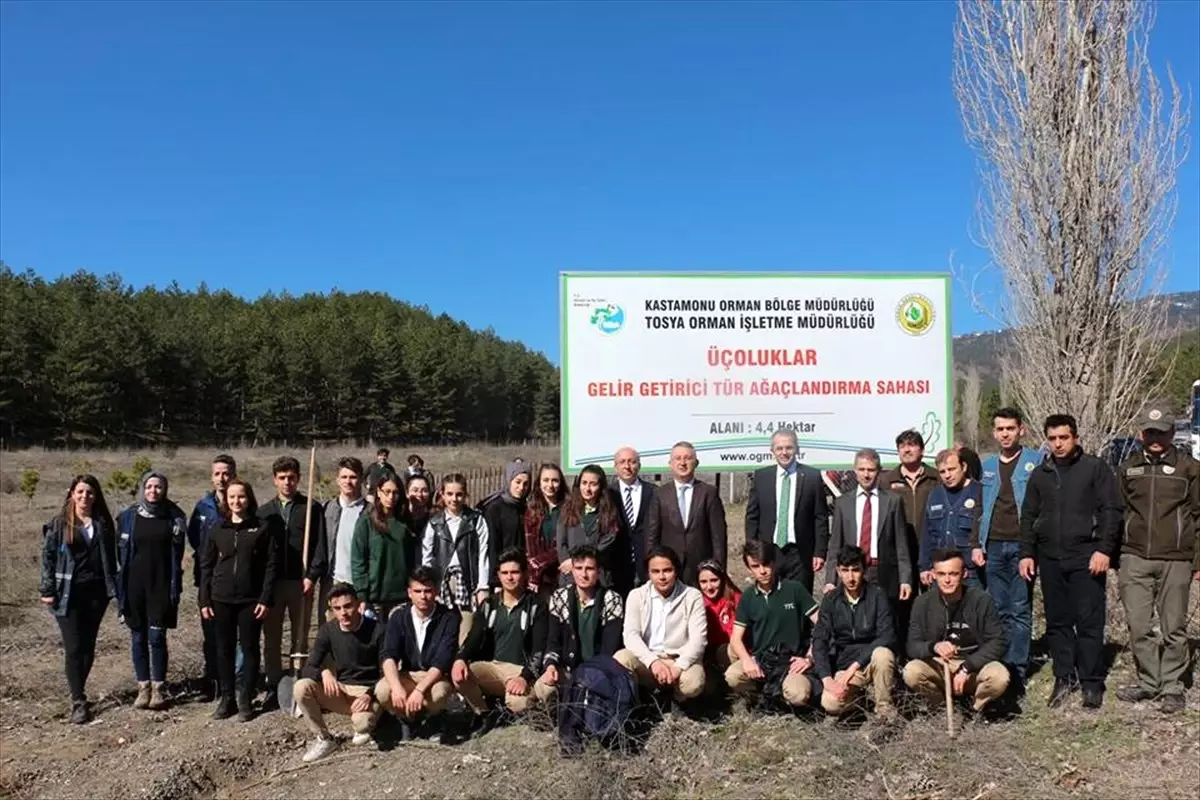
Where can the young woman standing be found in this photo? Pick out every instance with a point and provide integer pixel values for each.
(152, 535)
(379, 554)
(456, 545)
(78, 577)
(505, 515)
(238, 565)
(589, 517)
(541, 525)
(418, 496)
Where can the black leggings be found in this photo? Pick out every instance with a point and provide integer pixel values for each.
(85, 611)
(234, 622)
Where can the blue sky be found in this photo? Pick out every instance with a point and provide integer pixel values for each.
(459, 155)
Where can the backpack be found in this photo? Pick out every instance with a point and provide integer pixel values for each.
(598, 702)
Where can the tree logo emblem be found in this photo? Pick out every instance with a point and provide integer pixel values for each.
(608, 318)
(915, 314)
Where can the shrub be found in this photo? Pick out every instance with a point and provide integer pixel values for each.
(29, 484)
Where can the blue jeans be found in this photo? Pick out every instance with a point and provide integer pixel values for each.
(1011, 595)
(149, 648)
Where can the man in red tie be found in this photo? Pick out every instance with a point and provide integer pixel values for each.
(872, 520)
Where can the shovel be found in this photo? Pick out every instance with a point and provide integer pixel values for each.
(287, 684)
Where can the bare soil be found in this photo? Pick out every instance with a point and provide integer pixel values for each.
(1121, 751)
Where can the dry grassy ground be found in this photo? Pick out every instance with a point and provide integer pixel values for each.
(1119, 752)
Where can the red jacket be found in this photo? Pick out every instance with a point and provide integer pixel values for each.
(720, 614)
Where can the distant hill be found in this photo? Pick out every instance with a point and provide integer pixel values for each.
(982, 349)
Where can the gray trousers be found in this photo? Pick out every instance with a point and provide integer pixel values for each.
(1159, 589)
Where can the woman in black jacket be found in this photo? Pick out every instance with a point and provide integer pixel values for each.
(505, 514)
(237, 581)
(78, 578)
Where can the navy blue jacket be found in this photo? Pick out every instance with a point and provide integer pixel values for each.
(441, 640)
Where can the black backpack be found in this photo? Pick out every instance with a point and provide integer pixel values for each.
(597, 703)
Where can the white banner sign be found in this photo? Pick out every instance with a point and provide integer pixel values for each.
(723, 360)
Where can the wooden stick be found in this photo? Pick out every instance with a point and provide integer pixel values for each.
(949, 698)
(298, 658)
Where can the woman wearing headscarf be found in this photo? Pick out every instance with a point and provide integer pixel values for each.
(78, 577)
(151, 536)
(505, 514)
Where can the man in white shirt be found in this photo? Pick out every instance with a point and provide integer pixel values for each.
(873, 520)
(341, 514)
(787, 507)
(636, 501)
(666, 630)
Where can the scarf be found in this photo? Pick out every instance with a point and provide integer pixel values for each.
(147, 509)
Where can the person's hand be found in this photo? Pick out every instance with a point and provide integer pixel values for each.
(1027, 568)
(565, 567)
(799, 665)
(308, 587)
(818, 563)
(1099, 563)
(415, 701)
(927, 577)
(1195, 577)
(459, 672)
(835, 688)
(206, 612)
(751, 668)
(49, 601)
(517, 686)
(361, 704)
(261, 611)
(550, 676)
(979, 557)
(945, 650)
(827, 588)
(959, 682)
(661, 671)
(330, 684)
(481, 596)
(399, 698)
(905, 591)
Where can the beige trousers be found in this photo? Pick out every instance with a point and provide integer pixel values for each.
(314, 703)
(880, 673)
(435, 698)
(690, 684)
(927, 678)
(490, 679)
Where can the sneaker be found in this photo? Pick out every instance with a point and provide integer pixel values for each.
(320, 748)
(143, 696)
(1172, 704)
(1134, 694)
(361, 739)
(81, 714)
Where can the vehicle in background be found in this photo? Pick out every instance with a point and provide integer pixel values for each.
(1117, 450)
(1183, 434)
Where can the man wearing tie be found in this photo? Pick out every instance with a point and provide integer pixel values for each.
(874, 521)
(787, 506)
(638, 501)
(691, 516)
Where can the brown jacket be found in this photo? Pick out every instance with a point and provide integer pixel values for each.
(916, 498)
(1162, 507)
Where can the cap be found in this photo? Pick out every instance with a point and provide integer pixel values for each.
(1156, 418)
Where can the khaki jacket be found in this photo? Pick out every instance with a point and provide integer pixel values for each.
(1162, 507)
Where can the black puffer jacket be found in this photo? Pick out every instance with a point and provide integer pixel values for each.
(1072, 509)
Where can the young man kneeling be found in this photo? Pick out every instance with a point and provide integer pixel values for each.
(353, 643)
(418, 650)
(504, 647)
(666, 630)
(956, 625)
(852, 645)
(777, 614)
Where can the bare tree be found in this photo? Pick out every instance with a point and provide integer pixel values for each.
(971, 389)
(1078, 148)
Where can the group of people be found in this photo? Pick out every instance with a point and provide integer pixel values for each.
(926, 573)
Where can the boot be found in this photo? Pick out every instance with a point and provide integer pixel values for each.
(143, 695)
(1063, 687)
(158, 699)
(81, 714)
(226, 708)
(244, 706)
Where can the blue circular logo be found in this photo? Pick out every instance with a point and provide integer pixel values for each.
(608, 318)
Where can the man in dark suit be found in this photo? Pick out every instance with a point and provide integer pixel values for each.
(801, 532)
(874, 521)
(637, 503)
(691, 516)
